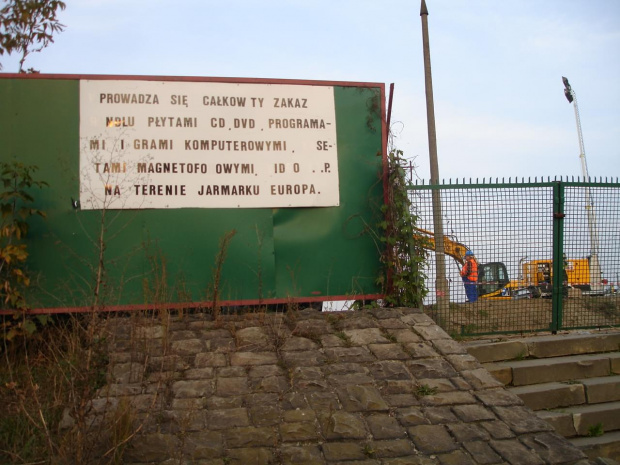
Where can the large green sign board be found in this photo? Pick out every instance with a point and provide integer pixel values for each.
(172, 190)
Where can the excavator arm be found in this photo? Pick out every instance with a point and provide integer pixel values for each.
(452, 248)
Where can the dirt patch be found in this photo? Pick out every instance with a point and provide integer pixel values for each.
(527, 315)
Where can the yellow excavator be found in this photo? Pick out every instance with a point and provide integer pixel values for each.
(492, 277)
(493, 280)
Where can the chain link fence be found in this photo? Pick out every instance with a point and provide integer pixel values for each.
(548, 254)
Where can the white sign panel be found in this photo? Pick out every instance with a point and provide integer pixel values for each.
(162, 144)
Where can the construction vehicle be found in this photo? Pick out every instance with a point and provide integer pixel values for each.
(536, 276)
(492, 277)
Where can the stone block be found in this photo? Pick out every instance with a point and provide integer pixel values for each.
(249, 456)
(150, 447)
(501, 373)
(250, 437)
(497, 429)
(253, 358)
(228, 418)
(411, 416)
(344, 425)
(573, 344)
(299, 343)
(401, 400)
(431, 332)
(449, 347)
(498, 351)
(210, 359)
(614, 360)
(466, 432)
(298, 431)
(512, 451)
(607, 445)
(349, 379)
(473, 412)
(431, 368)
(553, 448)
(309, 358)
(432, 439)
(562, 422)
(187, 347)
(448, 398)
(384, 426)
(388, 352)
(390, 369)
(264, 415)
(605, 389)
(193, 388)
(349, 354)
(356, 398)
(462, 362)
(299, 415)
(551, 395)
(558, 369)
(391, 448)
(440, 415)
(392, 323)
(457, 457)
(341, 451)
(421, 349)
(404, 336)
(521, 420)
(301, 455)
(588, 416)
(203, 445)
(252, 338)
(359, 337)
(270, 384)
(482, 453)
(227, 387)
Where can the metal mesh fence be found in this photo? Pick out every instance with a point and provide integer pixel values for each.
(515, 230)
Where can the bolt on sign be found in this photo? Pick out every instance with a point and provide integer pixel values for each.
(150, 144)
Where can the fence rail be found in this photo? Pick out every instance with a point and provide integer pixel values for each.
(548, 253)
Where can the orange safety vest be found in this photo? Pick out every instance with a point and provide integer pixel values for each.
(470, 270)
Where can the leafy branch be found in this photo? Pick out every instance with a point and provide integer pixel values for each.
(15, 206)
(28, 26)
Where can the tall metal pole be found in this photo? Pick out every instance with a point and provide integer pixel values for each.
(595, 266)
(441, 283)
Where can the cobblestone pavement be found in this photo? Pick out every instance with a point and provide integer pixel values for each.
(386, 386)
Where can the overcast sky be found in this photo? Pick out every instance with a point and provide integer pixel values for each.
(497, 66)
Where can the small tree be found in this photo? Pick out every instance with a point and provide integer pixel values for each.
(28, 26)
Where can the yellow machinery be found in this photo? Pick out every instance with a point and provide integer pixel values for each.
(492, 277)
(493, 280)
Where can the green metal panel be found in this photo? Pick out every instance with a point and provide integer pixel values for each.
(276, 254)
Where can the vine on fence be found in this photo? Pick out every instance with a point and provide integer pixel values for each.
(403, 255)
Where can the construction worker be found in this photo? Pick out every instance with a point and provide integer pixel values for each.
(469, 273)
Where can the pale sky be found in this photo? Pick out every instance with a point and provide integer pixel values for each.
(497, 67)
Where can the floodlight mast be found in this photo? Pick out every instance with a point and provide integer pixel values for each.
(595, 266)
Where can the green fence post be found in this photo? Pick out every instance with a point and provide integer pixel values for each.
(558, 256)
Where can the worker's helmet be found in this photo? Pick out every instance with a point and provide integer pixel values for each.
(469, 253)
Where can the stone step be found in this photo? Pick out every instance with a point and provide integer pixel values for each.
(557, 345)
(607, 445)
(551, 395)
(566, 394)
(583, 420)
(566, 368)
